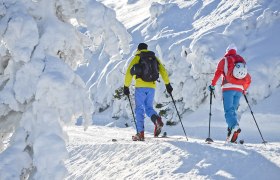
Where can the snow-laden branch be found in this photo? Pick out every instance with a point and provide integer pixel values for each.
(40, 92)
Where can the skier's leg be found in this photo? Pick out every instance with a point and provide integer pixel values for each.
(139, 108)
(149, 102)
(156, 119)
(231, 102)
(236, 100)
(229, 108)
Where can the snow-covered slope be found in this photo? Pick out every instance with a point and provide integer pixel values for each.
(93, 155)
(190, 37)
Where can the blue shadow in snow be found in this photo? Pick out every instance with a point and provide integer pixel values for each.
(225, 162)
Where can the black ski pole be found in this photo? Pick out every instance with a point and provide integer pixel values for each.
(210, 114)
(254, 118)
(132, 112)
(179, 116)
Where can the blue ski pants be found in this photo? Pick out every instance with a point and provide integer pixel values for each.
(144, 98)
(231, 102)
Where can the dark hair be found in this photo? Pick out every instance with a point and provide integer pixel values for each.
(142, 46)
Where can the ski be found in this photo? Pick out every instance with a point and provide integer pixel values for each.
(137, 139)
(241, 141)
(150, 138)
(164, 135)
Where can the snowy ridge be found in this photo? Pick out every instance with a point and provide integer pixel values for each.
(93, 155)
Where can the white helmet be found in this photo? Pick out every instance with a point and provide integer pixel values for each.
(240, 70)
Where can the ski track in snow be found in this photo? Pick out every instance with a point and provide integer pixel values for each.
(93, 155)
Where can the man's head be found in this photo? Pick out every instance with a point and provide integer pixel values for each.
(142, 46)
(231, 46)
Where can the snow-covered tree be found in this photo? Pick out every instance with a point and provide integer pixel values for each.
(42, 44)
(190, 37)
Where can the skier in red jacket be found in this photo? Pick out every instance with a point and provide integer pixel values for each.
(235, 81)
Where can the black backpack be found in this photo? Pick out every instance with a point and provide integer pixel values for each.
(148, 67)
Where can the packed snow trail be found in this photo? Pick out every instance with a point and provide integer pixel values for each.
(93, 155)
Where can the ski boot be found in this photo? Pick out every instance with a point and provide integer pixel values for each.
(139, 137)
(233, 134)
(158, 124)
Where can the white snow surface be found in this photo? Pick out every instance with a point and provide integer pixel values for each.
(62, 65)
(93, 155)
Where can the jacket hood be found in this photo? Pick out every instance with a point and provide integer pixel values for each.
(230, 52)
(139, 51)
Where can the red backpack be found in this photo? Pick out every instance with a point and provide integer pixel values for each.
(229, 67)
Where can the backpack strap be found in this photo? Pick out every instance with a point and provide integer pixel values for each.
(226, 65)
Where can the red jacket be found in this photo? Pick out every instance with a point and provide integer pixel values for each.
(238, 84)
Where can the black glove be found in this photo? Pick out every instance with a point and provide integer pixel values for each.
(126, 90)
(169, 88)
